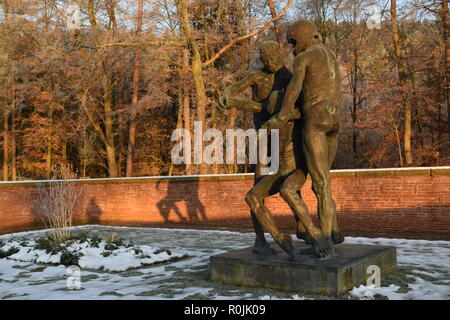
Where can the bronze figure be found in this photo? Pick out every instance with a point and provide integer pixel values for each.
(316, 79)
(268, 86)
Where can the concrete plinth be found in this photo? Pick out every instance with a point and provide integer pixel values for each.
(332, 276)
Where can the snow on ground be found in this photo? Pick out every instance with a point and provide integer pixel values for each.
(97, 257)
(424, 270)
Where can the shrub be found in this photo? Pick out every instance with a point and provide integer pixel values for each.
(9, 252)
(130, 244)
(55, 203)
(114, 243)
(95, 241)
(106, 253)
(111, 246)
(158, 251)
(82, 237)
(69, 258)
(24, 243)
(48, 244)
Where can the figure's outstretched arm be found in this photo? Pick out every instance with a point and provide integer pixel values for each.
(244, 104)
(235, 89)
(241, 85)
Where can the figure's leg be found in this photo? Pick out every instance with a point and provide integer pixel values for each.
(261, 246)
(255, 199)
(290, 193)
(301, 232)
(332, 141)
(315, 147)
(294, 176)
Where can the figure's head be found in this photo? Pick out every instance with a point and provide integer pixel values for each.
(271, 55)
(302, 34)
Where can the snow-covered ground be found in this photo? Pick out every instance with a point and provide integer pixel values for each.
(93, 257)
(424, 270)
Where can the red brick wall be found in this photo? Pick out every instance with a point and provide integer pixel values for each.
(388, 200)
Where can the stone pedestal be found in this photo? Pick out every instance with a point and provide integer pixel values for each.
(332, 276)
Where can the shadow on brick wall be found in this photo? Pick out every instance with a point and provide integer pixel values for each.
(93, 211)
(189, 195)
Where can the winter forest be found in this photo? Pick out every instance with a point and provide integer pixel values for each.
(98, 86)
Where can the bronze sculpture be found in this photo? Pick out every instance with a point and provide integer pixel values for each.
(307, 146)
(316, 79)
(268, 86)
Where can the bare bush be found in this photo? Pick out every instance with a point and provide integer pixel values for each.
(56, 201)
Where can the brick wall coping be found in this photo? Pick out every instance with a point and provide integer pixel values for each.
(383, 172)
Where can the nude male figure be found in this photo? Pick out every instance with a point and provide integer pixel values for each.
(316, 76)
(268, 87)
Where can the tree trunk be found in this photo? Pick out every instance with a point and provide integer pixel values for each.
(447, 59)
(186, 103)
(399, 148)
(199, 86)
(354, 88)
(13, 150)
(418, 119)
(107, 84)
(231, 123)
(5, 146)
(64, 147)
(135, 97)
(111, 15)
(109, 130)
(82, 150)
(407, 136)
(402, 81)
(397, 136)
(200, 98)
(49, 163)
(5, 9)
(179, 117)
(106, 135)
(91, 14)
(196, 66)
(276, 25)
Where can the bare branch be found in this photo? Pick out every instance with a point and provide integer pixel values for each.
(266, 26)
(145, 43)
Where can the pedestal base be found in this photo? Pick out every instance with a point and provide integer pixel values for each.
(332, 276)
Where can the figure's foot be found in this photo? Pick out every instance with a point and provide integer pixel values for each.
(263, 248)
(323, 247)
(286, 245)
(337, 237)
(305, 237)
